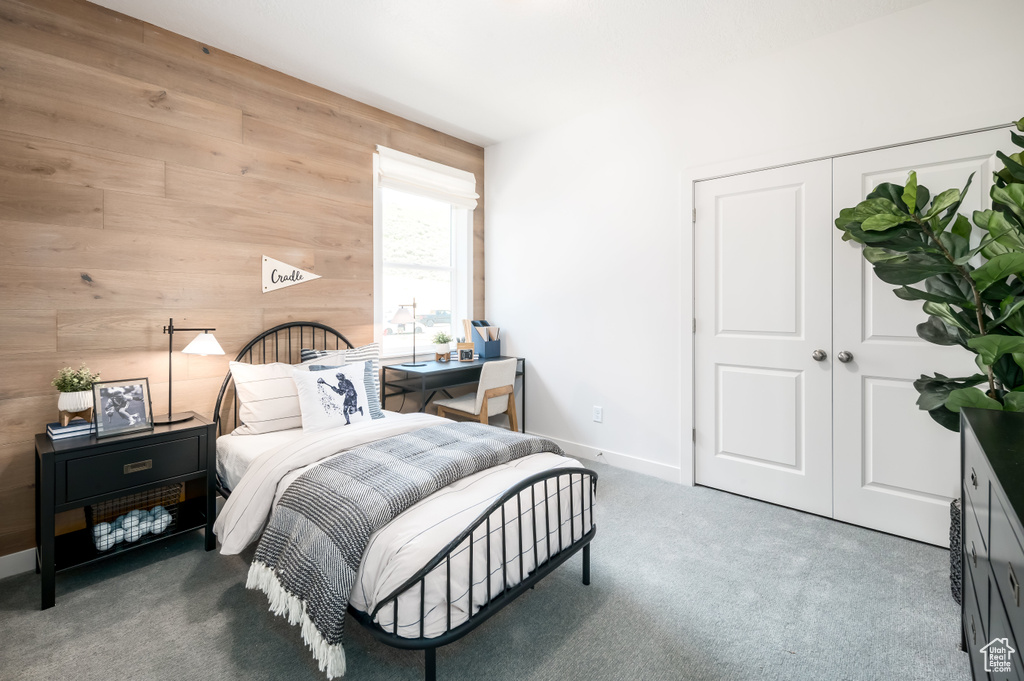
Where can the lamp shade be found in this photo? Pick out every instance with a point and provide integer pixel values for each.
(203, 344)
(403, 316)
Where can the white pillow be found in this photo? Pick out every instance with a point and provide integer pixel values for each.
(312, 357)
(267, 399)
(332, 397)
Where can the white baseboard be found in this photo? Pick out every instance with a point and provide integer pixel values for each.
(630, 463)
(17, 563)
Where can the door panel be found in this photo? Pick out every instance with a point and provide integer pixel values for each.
(763, 305)
(896, 470)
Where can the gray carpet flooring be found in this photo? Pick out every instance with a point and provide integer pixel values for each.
(688, 583)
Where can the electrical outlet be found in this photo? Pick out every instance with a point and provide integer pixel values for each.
(598, 414)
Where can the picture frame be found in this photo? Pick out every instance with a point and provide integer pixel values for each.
(122, 407)
(465, 352)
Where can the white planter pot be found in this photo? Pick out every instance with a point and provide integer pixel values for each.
(441, 348)
(78, 401)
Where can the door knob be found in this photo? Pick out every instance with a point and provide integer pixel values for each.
(819, 355)
(845, 356)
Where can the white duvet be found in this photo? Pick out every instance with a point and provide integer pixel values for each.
(403, 547)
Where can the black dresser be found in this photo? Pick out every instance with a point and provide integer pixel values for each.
(992, 459)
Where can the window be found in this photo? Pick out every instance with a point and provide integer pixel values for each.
(423, 217)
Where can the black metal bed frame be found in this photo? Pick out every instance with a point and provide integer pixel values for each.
(555, 555)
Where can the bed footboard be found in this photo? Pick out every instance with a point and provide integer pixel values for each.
(535, 504)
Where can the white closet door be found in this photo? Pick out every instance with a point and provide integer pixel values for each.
(763, 306)
(896, 470)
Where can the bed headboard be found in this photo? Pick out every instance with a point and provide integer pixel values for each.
(280, 344)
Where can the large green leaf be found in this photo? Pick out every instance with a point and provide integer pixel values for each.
(962, 227)
(944, 312)
(891, 192)
(946, 418)
(1013, 402)
(956, 245)
(946, 199)
(1007, 308)
(908, 293)
(1011, 196)
(883, 221)
(874, 255)
(993, 346)
(971, 397)
(918, 266)
(871, 207)
(933, 390)
(1007, 372)
(910, 192)
(938, 332)
(1005, 174)
(1013, 165)
(997, 269)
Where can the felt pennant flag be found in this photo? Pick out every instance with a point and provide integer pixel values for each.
(277, 274)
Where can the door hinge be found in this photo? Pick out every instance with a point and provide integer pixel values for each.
(694, 434)
(694, 216)
(695, 325)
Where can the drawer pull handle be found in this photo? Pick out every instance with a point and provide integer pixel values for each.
(1014, 585)
(974, 478)
(974, 554)
(138, 466)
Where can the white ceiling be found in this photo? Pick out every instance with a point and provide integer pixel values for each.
(490, 70)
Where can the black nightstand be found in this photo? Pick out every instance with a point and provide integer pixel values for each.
(77, 472)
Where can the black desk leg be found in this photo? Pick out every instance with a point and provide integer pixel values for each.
(45, 514)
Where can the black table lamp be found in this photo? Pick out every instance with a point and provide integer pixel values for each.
(203, 344)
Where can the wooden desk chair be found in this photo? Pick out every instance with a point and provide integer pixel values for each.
(495, 394)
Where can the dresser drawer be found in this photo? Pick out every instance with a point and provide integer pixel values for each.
(999, 629)
(974, 623)
(976, 563)
(977, 477)
(1007, 557)
(126, 468)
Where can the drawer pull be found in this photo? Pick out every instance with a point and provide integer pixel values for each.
(138, 466)
(1014, 585)
(974, 554)
(974, 478)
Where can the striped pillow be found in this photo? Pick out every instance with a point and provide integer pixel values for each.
(371, 376)
(267, 398)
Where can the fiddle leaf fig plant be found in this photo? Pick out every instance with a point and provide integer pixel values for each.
(971, 284)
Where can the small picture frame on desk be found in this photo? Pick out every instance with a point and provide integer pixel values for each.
(122, 407)
(465, 352)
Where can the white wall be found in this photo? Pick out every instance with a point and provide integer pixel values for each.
(589, 256)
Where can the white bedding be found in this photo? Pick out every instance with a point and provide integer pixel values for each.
(400, 549)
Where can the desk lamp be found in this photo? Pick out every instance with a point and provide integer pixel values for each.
(403, 316)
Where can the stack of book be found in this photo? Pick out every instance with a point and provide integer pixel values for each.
(76, 428)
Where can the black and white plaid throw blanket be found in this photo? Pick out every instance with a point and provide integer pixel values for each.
(307, 559)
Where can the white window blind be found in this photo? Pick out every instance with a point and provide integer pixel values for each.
(414, 175)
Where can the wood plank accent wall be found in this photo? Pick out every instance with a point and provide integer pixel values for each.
(142, 176)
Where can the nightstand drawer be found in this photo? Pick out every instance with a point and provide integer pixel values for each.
(95, 475)
(1007, 558)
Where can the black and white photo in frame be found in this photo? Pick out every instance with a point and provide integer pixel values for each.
(122, 406)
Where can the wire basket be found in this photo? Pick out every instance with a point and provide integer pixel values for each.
(130, 519)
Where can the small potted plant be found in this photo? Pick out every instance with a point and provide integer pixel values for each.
(75, 386)
(441, 346)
